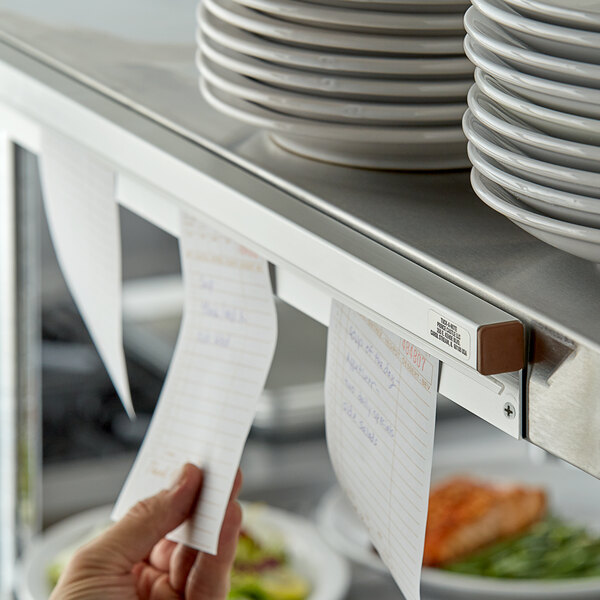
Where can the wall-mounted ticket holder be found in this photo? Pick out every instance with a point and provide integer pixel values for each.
(481, 349)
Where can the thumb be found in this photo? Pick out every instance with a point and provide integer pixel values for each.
(133, 537)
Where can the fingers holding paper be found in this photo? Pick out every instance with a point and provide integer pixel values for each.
(134, 560)
(192, 571)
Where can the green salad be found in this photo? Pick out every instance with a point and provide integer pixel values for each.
(551, 549)
(262, 571)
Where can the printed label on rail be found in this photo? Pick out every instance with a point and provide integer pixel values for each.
(450, 336)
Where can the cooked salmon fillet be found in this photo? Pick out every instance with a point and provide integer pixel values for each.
(465, 515)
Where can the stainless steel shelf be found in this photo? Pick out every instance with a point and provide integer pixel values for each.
(128, 90)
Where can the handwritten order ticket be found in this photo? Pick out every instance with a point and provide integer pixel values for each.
(223, 355)
(380, 419)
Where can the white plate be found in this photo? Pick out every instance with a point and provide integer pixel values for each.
(519, 55)
(531, 141)
(328, 109)
(563, 97)
(358, 20)
(515, 161)
(583, 14)
(555, 40)
(435, 68)
(33, 583)
(574, 239)
(371, 147)
(358, 88)
(391, 157)
(309, 555)
(284, 124)
(552, 122)
(437, 6)
(581, 210)
(343, 529)
(498, 461)
(309, 36)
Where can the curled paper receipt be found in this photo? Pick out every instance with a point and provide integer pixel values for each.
(224, 351)
(380, 405)
(83, 218)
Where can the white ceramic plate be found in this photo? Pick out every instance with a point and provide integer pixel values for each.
(574, 239)
(407, 156)
(498, 461)
(581, 210)
(315, 37)
(343, 529)
(372, 147)
(408, 6)
(328, 109)
(515, 161)
(33, 584)
(358, 88)
(358, 20)
(563, 97)
(552, 122)
(518, 55)
(330, 63)
(531, 141)
(582, 14)
(310, 556)
(344, 132)
(555, 40)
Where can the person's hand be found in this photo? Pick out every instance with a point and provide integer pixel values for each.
(133, 561)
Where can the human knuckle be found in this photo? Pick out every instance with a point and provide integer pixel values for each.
(160, 582)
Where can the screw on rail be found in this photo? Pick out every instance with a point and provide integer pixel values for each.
(509, 411)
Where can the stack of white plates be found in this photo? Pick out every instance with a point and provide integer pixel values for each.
(533, 122)
(376, 84)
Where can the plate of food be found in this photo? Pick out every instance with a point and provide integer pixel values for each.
(280, 556)
(499, 526)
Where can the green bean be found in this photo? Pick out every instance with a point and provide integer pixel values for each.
(551, 549)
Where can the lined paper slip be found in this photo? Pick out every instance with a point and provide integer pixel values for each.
(224, 351)
(380, 403)
(83, 218)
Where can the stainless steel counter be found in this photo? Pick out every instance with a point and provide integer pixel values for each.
(145, 60)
